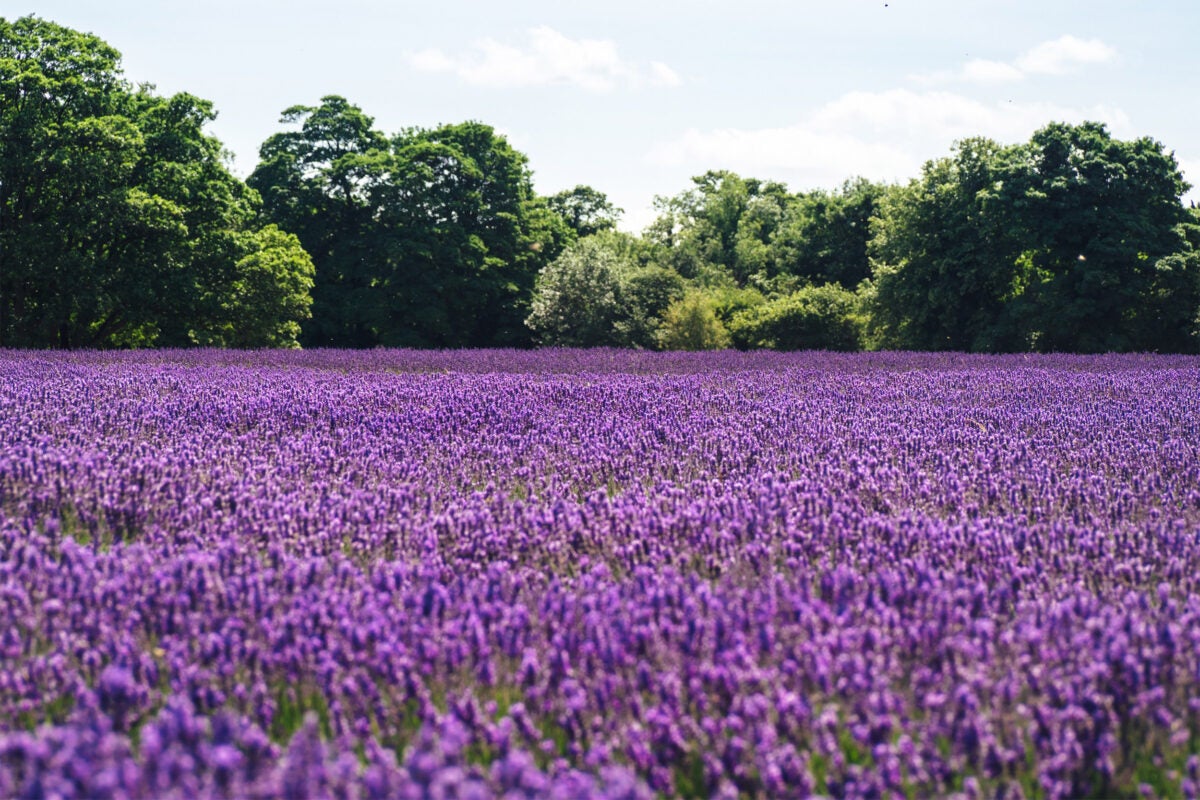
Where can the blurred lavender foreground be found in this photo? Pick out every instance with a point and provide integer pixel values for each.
(598, 574)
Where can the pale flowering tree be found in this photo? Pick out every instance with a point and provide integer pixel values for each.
(577, 299)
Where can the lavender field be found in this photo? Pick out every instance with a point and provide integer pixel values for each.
(598, 574)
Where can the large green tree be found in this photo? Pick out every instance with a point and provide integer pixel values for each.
(1074, 241)
(120, 224)
(429, 238)
(587, 210)
(1096, 218)
(720, 229)
(945, 263)
(579, 298)
(824, 235)
(753, 232)
(597, 294)
(319, 182)
(516, 230)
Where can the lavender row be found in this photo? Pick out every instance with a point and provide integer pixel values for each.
(599, 360)
(817, 574)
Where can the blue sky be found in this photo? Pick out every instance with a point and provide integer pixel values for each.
(633, 98)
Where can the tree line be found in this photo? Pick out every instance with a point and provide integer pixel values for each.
(122, 226)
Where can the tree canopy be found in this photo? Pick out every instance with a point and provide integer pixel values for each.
(121, 225)
(1073, 241)
(427, 238)
(596, 295)
(587, 210)
(119, 221)
(812, 318)
(578, 298)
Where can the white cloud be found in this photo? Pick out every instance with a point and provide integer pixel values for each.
(881, 135)
(820, 155)
(980, 70)
(928, 117)
(430, 61)
(1064, 54)
(1057, 57)
(548, 59)
(662, 75)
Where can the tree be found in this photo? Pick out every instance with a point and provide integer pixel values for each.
(430, 239)
(60, 97)
(1068, 242)
(586, 210)
(599, 292)
(519, 232)
(946, 262)
(1175, 303)
(1096, 217)
(120, 224)
(319, 183)
(246, 285)
(753, 254)
(268, 292)
(752, 232)
(578, 298)
(690, 323)
(647, 293)
(824, 236)
(717, 229)
(813, 318)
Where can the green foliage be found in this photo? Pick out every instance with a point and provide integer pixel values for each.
(753, 245)
(944, 264)
(293, 704)
(595, 295)
(720, 227)
(744, 231)
(317, 183)
(730, 300)
(269, 292)
(630, 249)
(824, 236)
(578, 298)
(586, 210)
(814, 318)
(1168, 316)
(647, 293)
(120, 224)
(1190, 231)
(691, 323)
(518, 232)
(430, 239)
(1096, 216)
(1073, 242)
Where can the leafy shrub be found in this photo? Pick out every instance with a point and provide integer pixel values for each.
(691, 323)
(647, 293)
(577, 298)
(813, 318)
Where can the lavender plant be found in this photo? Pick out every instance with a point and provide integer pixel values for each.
(598, 574)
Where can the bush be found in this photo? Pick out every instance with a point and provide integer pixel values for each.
(647, 293)
(577, 298)
(729, 301)
(691, 323)
(813, 318)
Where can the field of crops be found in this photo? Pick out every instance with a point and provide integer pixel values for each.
(598, 574)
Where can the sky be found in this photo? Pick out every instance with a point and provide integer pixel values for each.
(635, 97)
